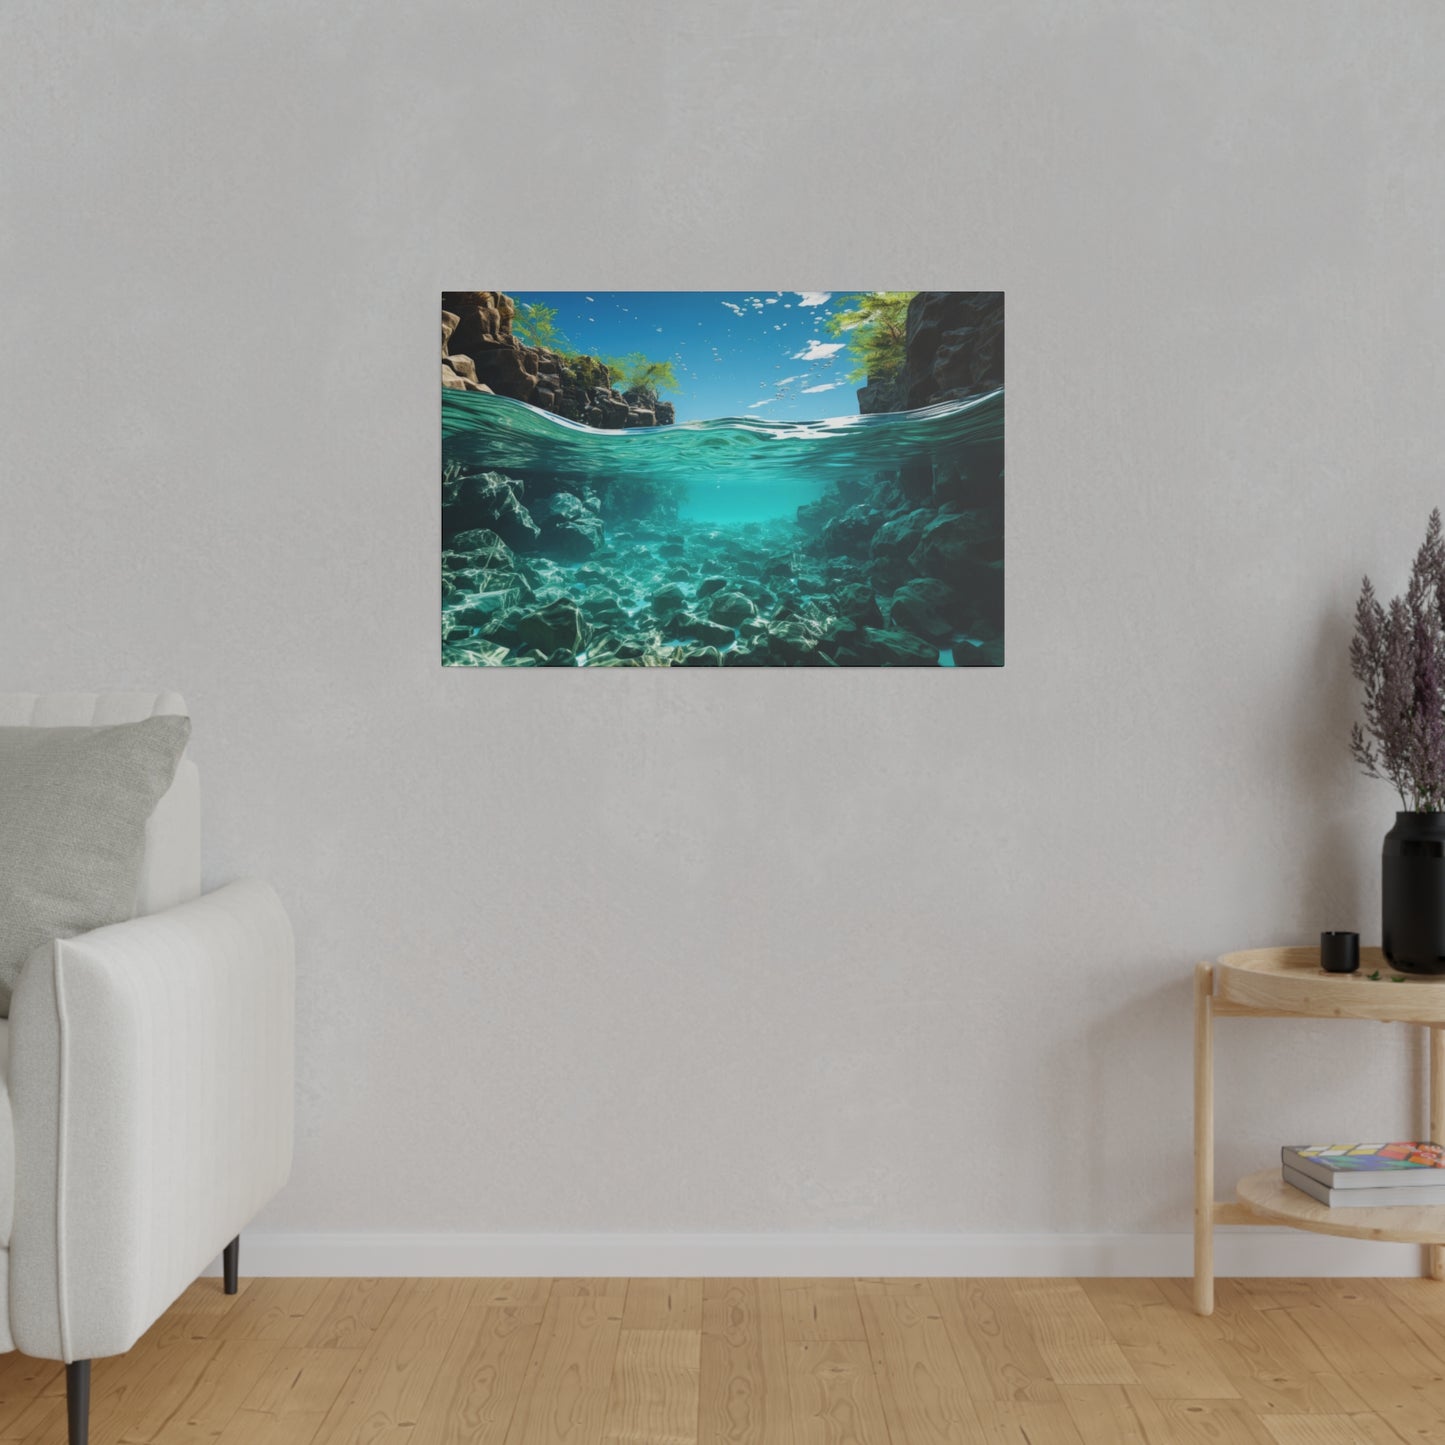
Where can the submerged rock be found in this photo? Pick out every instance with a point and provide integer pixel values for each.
(569, 528)
(483, 548)
(954, 539)
(557, 626)
(490, 501)
(929, 609)
(896, 538)
(730, 608)
(702, 629)
(852, 533)
(897, 649)
(696, 657)
(669, 600)
(475, 653)
(858, 603)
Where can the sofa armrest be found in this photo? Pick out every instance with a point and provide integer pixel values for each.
(151, 1081)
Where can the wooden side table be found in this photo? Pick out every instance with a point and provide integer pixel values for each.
(1289, 983)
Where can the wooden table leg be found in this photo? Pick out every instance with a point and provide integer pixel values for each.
(1435, 1253)
(1204, 1138)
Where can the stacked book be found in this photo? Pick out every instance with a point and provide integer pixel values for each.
(1367, 1176)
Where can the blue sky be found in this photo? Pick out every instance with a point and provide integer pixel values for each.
(736, 353)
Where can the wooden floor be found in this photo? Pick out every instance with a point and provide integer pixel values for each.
(765, 1362)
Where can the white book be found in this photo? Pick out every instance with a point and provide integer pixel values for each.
(1377, 1198)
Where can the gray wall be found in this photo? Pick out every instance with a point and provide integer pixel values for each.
(755, 950)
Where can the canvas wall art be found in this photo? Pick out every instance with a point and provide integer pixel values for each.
(723, 479)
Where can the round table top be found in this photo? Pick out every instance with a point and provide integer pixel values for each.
(1290, 980)
(1267, 1195)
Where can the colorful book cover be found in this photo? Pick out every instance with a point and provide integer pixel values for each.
(1367, 1158)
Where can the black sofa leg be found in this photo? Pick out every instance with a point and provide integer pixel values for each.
(77, 1401)
(231, 1264)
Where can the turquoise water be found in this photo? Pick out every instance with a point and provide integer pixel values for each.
(732, 541)
(732, 468)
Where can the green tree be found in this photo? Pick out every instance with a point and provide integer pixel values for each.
(536, 325)
(635, 372)
(874, 324)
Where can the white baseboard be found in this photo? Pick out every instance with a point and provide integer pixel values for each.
(1240, 1252)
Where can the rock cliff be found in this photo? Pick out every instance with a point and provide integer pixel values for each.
(954, 349)
(479, 353)
(930, 535)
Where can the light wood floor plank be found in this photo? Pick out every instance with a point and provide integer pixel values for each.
(513, 1291)
(1330, 1430)
(1413, 1408)
(743, 1374)
(394, 1376)
(925, 1397)
(996, 1351)
(1074, 1342)
(346, 1316)
(178, 1369)
(834, 1395)
(663, 1304)
(1206, 1422)
(1358, 1305)
(1109, 1415)
(570, 1376)
(750, 1362)
(1270, 1377)
(479, 1384)
(271, 1309)
(821, 1309)
(289, 1401)
(229, 1376)
(22, 1381)
(1165, 1346)
(595, 1288)
(1028, 1422)
(654, 1388)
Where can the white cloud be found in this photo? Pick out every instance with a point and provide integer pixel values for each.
(819, 351)
(591, 298)
(767, 300)
(813, 298)
(733, 307)
(766, 401)
(827, 386)
(784, 380)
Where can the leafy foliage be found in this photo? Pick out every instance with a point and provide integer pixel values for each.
(637, 373)
(874, 324)
(588, 370)
(1398, 653)
(536, 325)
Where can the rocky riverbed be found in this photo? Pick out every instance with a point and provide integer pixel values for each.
(675, 593)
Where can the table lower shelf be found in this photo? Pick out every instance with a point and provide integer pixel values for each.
(1268, 1197)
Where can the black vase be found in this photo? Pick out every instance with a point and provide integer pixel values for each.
(1414, 893)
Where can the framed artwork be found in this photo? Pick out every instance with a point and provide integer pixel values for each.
(722, 479)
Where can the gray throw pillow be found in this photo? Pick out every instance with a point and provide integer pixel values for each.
(74, 803)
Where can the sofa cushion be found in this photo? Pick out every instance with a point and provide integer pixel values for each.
(73, 809)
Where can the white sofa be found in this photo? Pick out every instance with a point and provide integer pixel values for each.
(147, 1071)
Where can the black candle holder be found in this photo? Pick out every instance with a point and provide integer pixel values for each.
(1340, 952)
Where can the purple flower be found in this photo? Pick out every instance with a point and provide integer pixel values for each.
(1398, 653)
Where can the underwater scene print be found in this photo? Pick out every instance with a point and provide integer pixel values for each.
(723, 479)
